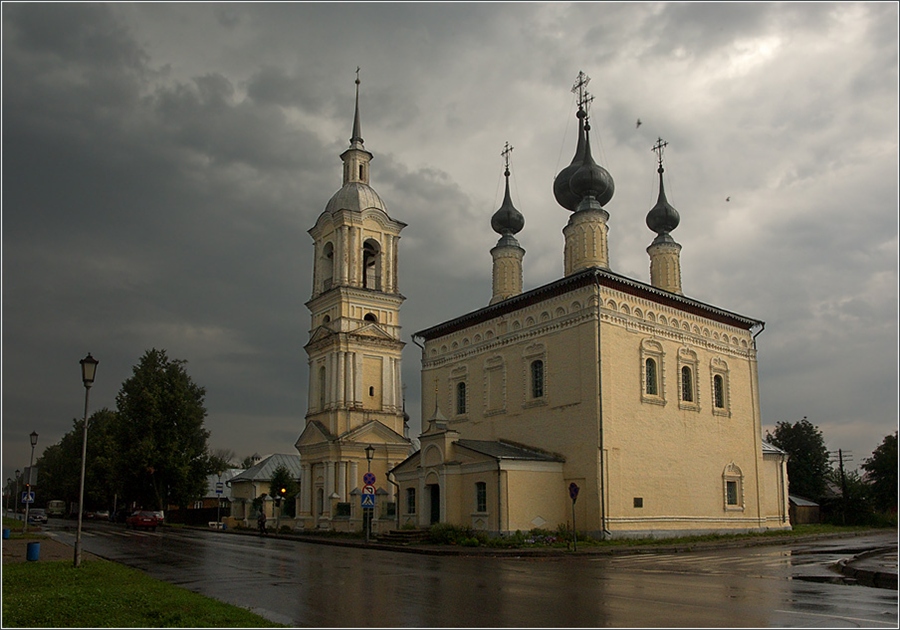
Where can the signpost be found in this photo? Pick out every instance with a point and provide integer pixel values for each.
(368, 501)
(28, 497)
(220, 487)
(573, 493)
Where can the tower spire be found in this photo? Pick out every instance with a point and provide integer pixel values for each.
(507, 253)
(665, 253)
(356, 140)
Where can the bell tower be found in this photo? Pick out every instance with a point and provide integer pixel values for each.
(355, 392)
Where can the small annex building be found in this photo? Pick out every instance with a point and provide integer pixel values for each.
(634, 398)
(254, 482)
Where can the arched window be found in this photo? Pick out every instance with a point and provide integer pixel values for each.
(370, 317)
(719, 391)
(687, 384)
(371, 265)
(537, 379)
(322, 391)
(327, 266)
(481, 497)
(651, 385)
(460, 399)
(320, 502)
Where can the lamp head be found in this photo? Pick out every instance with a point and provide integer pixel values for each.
(88, 369)
(34, 437)
(370, 451)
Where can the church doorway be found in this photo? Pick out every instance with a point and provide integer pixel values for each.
(435, 496)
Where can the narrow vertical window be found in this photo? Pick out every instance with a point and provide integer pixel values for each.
(410, 500)
(652, 389)
(481, 497)
(731, 492)
(322, 391)
(719, 391)
(537, 379)
(460, 398)
(687, 385)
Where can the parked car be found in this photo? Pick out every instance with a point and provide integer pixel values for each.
(142, 518)
(99, 515)
(160, 516)
(37, 515)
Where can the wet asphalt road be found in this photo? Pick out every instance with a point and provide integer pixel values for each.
(303, 584)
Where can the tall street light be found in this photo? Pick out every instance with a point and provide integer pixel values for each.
(88, 370)
(9, 491)
(370, 451)
(34, 437)
(16, 506)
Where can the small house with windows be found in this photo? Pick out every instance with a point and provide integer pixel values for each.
(643, 399)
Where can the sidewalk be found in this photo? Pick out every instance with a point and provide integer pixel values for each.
(873, 568)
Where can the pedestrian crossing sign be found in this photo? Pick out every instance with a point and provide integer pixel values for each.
(368, 501)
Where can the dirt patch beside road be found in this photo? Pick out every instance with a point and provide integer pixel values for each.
(16, 550)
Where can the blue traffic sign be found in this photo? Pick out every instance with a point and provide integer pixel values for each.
(219, 487)
(28, 497)
(368, 501)
(369, 479)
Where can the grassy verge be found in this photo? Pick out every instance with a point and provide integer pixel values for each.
(103, 594)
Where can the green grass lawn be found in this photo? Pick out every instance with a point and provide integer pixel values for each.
(102, 594)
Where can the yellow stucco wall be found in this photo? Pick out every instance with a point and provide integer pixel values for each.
(593, 342)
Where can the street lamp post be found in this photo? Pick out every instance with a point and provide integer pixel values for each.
(88, 370)
(370, 451)
(34, 437)
(218, 502)
(16, 504)
(9, 491)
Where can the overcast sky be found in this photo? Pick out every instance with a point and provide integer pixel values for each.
(162, 164)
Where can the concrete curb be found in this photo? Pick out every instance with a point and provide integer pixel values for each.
(869, 576)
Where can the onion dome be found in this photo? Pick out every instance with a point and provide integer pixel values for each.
(561, 191)
(662, 218)
(591, 179)
(507, 220)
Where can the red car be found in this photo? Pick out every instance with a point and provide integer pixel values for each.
(142, 518)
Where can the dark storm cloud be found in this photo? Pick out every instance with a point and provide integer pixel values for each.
(163, 162)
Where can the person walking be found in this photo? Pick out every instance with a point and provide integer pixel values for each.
(261, 522)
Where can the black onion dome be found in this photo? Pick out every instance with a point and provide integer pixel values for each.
(591, 179)
(561, 191)
(507, 220)
(662, 218)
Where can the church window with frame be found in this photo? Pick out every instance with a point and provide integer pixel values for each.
(652, 377)
(718, 369)
(410, 500)
(481, 497)
(733, 488)
(461, 398)
(535, 374)
(687, 384)
(687, 380)
(652, 388)
(372, 265)
(327, 265)
(537, 379)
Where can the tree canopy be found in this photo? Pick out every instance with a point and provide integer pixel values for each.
(807, 465)
(282, 480)
(162, 440)
(881, 470)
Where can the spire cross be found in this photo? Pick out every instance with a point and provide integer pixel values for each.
(658, 149)
(357, 75)
(507, 149)
(580, 84)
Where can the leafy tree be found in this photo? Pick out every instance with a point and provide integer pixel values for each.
(161, 437)
(248, 461)
(807, 466)
(220, 459)
(60, 464)
(281, 479)
(881, 470)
